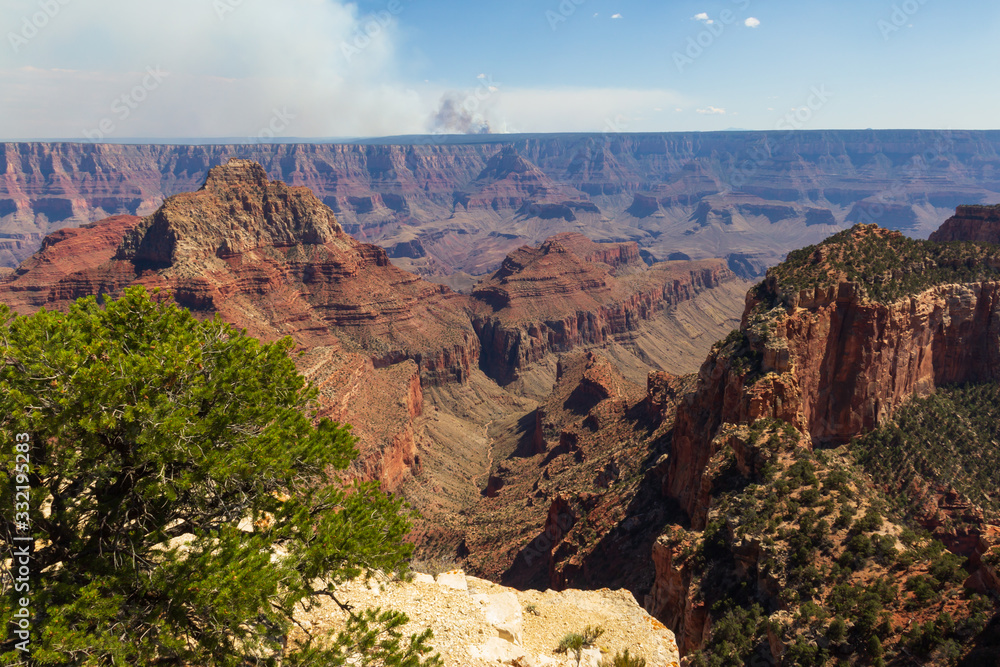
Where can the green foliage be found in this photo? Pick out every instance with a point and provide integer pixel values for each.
(745, 359)
(870, 522)
(802, 473)
(623, 659)
(946, 568)
(925, 638)
(875, 651)
(863, 605)
(837, 631)
(804, 654)
(981, 609)
(839, 581)
(924, 589)
(885, 266)
(155, 436)
(836, 480)
(369, 639)
(575, 642)
(947, 438)
(734, 636)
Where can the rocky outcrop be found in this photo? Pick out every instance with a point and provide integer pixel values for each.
(549, 299)
(237, 211)
(477, 623)
(986, 561)
(574, 493)
(273, 260)
(674, 595)
(265, 256)
(510, 183)
(834, 363)
(977, 224)
(71, 263)
(857, 361)
(385, 407)
(621, 257)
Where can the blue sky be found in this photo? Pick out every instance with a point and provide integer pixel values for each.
(117, 69)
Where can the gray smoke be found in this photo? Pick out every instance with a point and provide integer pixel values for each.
(457, 115)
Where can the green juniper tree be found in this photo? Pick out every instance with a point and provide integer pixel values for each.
(182, 500)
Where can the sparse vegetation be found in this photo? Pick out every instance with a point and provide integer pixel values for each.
(885, 265)
(735, 633)
(947, 439)
(848, 569)
(575, 642)
(623, 659)
(434, 565)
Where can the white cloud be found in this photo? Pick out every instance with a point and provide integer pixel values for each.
(752, 22)
(329, 66)
(232, 77)
(703, 17)
(616, 16)
(711, 111)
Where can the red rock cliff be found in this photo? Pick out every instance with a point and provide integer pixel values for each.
(267, 257)
(272, 259)
(549, 299)
(979, 224)
(834, 363)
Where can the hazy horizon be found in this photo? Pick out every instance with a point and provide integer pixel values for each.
(450, 138)
(115, 71)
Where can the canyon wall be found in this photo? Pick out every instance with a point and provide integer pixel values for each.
(834, 363)
(979, 224)
(550, 299)
(468, 203)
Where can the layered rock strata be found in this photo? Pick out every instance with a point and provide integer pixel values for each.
(273, 260)
(977, 224)
(267, 257)
(549, 299)
(833, 362)
(470, 200)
